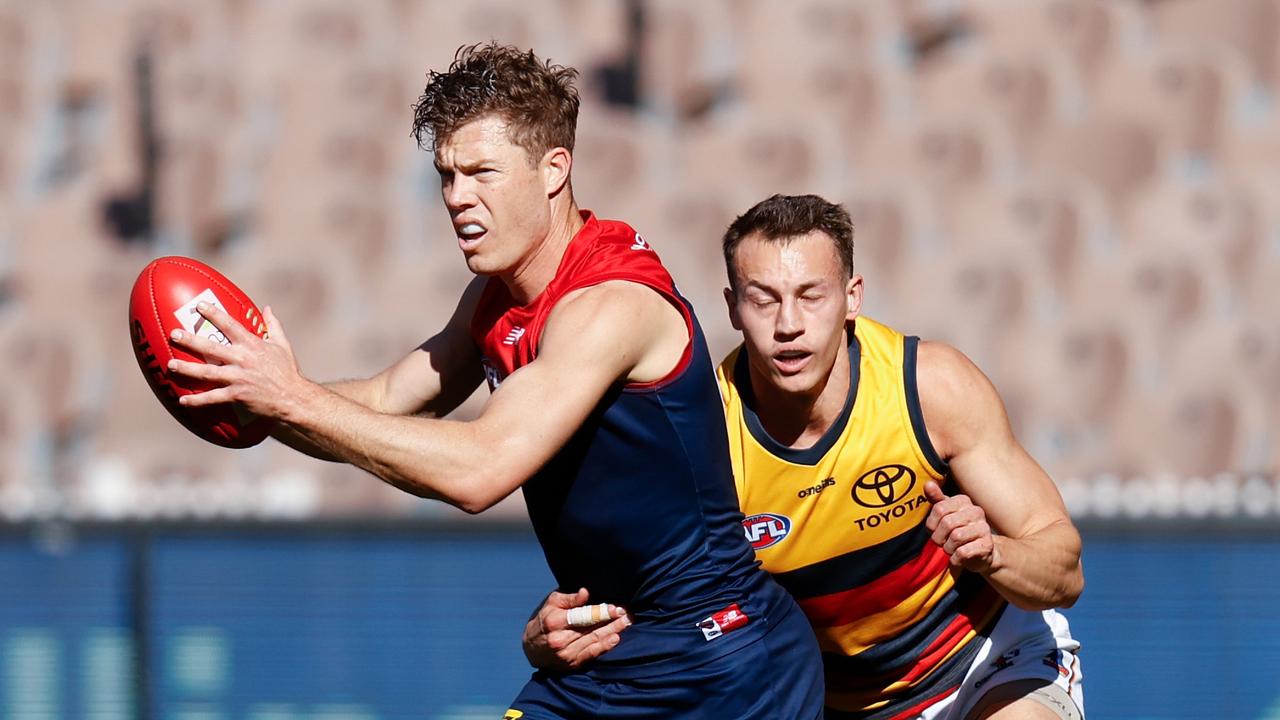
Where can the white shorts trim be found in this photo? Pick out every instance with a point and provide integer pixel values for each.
(1023, 645)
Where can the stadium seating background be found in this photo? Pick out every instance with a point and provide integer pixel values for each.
(1080, 195)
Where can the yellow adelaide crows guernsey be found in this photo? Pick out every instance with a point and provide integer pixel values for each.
(840, 525)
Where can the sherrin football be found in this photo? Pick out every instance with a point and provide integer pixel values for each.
(164, 299)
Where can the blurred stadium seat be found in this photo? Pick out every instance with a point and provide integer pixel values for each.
(947, 155)
(1089, 32)
(1217, 220)
(682, 64)
(1249, 27)
(1041, 164)
(1115, 155)
(1058, 221)
(1190, 96)
(822, 56)
(1025, 90)
(764, 154)
(895, 229)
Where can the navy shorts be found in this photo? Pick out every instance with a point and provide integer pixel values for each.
(778, 676)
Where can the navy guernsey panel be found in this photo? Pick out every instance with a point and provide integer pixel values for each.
(639, 507)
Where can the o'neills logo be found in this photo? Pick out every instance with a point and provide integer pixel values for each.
(815, 489)
(883, 486)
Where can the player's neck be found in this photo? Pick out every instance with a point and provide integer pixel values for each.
(799, 420)
(536, 272)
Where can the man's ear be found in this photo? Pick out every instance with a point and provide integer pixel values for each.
(731, 299)
(853, 296)
(556, 165)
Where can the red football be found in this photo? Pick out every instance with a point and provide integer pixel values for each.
(164, 298)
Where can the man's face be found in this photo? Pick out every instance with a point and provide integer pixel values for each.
(791, 303)
(496, 196)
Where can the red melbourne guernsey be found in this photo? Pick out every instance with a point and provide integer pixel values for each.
(603, 250)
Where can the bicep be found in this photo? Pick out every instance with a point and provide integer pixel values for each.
(433, 379)
(587, 349)
(968, 424)
(439, 374)
(1016, 494)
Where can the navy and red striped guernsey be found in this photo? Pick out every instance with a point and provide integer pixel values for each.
(639, 506)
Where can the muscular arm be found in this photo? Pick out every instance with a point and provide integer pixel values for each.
(595, 338)
(1033, 557)
(432, 380)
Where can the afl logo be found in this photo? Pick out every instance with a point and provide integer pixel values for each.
(491, 374)
(766, 529)
(883, 486)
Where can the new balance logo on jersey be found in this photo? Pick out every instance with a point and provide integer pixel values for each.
(514, 336)
(730, 618)
(640, 244)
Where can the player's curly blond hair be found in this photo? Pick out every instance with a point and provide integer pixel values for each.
(536, 98)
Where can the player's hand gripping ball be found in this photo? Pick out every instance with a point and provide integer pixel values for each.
(164, 299)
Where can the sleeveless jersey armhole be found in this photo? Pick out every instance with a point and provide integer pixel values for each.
(910, 349)
(676, 301)
(680, 304)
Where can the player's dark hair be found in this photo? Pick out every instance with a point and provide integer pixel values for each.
(536, 98)
(782, 218)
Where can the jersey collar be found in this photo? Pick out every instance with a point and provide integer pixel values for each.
(810, 455)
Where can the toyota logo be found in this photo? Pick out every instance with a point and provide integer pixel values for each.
(883, 486)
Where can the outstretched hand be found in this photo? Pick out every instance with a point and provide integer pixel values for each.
(550, 643)
(961, 528)
(260, 373)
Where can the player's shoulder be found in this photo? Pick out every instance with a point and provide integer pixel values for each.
(615, 274)
(943, 370)
(956, 397)
(617, 232)
(878, 343)
(617, 307)
(615, 294)
(619, 247)
(616, 325)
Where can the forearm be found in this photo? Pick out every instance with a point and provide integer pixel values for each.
(454, 462)
(1041, 570)
(290, 437)
(363, 392)
(358, 391)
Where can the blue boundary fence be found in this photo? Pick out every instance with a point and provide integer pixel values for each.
(412, 620)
